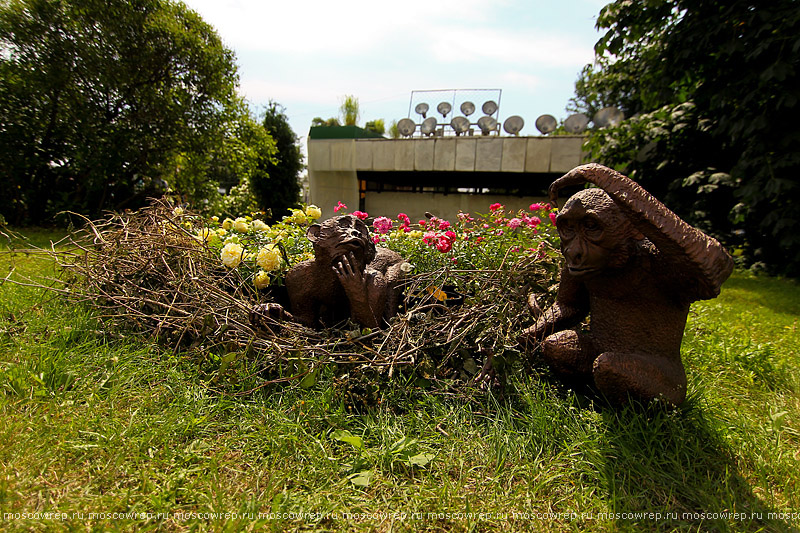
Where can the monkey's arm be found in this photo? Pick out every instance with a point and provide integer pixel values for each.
(690, 248)
(571, 306)
(357, 285)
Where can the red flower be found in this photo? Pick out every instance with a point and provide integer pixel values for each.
(444, 245)
(360, 214)
(495, 207)
(552, 218)
(429, 237)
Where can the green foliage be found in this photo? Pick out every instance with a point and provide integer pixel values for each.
(101, 102)
(319, 121)
(350, 111)
(234, 163)
(738, 67)
(275, 183)
(376, 126)
(394, 133)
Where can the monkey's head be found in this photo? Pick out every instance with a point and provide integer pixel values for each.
(340, 235)
(595, 234)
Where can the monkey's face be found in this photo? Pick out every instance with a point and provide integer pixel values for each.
(595, 235)
(340, 236)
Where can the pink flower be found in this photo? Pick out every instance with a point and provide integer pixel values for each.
(339, 206)
(534, 221)
(450, 235)
(444, 245)
(382, 224)
(514, 223)
(495, 207)
(422, 223)
(552, 218)
(464, 217)
(360, 214)
(375, 239)
(443, 224)
(498, 232)
(429, 237)
(537, 206)
(486, 226)
(404, 218)
(514, 249)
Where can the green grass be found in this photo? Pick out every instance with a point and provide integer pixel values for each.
(96, 421)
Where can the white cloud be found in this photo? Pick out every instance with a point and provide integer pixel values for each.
(325, 26)
(465, 45)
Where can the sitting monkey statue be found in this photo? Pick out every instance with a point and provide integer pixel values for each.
(349, 277)
(634, 267)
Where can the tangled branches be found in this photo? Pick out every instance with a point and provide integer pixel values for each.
(149, 272)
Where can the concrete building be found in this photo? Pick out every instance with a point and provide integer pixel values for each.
(442, 175)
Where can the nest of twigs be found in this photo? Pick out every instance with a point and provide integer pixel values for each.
(146, 271)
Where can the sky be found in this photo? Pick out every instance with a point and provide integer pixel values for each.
(308, 54)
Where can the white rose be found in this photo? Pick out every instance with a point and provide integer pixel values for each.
(231, 254)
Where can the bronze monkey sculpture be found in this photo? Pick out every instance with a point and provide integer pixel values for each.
(634, 267)
(349, 277)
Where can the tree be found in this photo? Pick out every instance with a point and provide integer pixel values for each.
(319, 121)
(708, 84)
(350, 110)
(376, 126)
(100, 100)
(275, 182)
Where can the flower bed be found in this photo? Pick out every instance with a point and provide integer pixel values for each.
(190, 282)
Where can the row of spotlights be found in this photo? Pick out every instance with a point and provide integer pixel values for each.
(577, 123)
(489, 108)
(460, 125)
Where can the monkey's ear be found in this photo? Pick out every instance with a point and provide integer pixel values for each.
(313, 232)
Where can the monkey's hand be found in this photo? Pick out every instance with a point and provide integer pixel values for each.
(352, 279)
(487, 376)
(529, 337)
(355, 285)
(271, 313)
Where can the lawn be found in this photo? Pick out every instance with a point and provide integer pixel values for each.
(104, 430)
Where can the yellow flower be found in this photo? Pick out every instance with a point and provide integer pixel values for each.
(215, 219)
(297, 216)
(261, 280)
(259, 225)
(222, 232)
(269, 258)
(416, 234)
(178, 211)
(313, 212)
(204, 235)
(227, 224)
(241, 225)
(231, 254)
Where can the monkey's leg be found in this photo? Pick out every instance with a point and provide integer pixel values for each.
(645, 377)
(570, 354)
